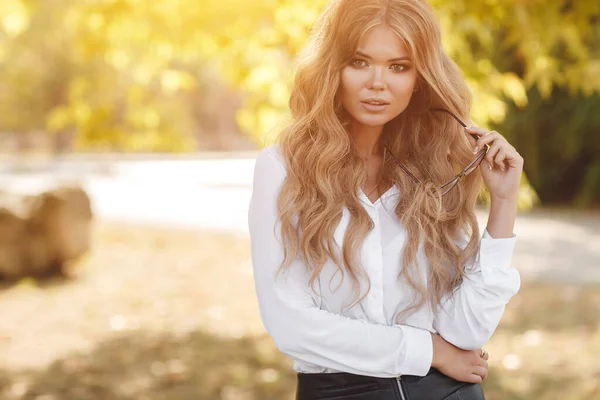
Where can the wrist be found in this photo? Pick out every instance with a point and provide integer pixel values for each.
(437, 342)
(501, 220)
(513, 199)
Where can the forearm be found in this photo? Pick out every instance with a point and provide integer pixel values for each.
(289, 307)
(469, 316)
(501, 221)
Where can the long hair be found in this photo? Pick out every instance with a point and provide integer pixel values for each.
(325, 171)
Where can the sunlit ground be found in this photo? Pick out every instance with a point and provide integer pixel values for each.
(171, 314)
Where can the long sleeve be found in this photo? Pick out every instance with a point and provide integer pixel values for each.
(469, 317)
(290, 313)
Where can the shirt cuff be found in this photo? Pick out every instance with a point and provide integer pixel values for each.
(496, 252)
(419, 351)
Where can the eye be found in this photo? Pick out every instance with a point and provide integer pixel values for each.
(399, 67)
(357, 62)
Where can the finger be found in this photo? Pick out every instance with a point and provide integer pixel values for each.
(482, 362)
(471, 136)
(486, 137)
(472, 140)
(492, 152)
(474, 378)
(477, 130)
(500, 157)
(482, 372)
(490, 138)
(513, 158)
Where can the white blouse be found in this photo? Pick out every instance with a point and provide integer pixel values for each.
(322, 336)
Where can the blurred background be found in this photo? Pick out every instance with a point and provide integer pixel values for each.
(128, 133)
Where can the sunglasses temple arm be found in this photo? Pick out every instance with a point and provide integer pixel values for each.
(403, 167)
(474, 136)
(452, 114)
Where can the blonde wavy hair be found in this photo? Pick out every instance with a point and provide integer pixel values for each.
(325, 172)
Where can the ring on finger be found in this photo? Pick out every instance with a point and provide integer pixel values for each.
(483, 353)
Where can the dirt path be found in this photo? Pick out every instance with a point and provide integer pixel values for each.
(561, 246)
(159, 314)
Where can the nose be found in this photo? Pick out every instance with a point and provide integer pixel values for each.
(376, 81)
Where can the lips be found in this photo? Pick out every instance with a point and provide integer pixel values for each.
(375, 102)
(374, 108)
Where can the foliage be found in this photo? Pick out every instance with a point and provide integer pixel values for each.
(507, 53)
(143, 75)
(116, 72)
(504, 48)
(558, 137)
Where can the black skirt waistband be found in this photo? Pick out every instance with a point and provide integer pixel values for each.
(339, 385)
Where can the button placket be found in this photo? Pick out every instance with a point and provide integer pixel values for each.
(376, 267)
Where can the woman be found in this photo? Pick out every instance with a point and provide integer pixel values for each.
(369, 266)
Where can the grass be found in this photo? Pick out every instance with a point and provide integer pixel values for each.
(156, 314)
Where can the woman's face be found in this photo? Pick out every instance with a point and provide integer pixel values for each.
(380, 71)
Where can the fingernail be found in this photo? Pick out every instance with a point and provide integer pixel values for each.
(490, 167)
(475, 150)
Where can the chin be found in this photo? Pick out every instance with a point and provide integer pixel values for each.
(373, 120)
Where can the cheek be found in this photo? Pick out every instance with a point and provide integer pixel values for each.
(350, 85)
(402, 91)
(403, 85)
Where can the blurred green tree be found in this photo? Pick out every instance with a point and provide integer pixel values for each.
(559, 137)
(509, 51)
(539, 82)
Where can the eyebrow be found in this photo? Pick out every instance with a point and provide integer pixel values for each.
(360, 53)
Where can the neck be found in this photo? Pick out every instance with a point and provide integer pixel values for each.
(366, 140)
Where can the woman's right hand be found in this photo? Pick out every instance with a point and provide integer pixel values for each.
(462, 365)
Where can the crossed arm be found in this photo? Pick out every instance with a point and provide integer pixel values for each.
(305, 332)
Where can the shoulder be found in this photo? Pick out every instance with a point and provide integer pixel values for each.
(271, 157)
(270, 167)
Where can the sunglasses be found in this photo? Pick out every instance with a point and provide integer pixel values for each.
(451, 184)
